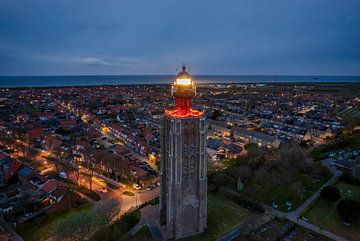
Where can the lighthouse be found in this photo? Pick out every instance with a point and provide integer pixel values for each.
(183, 195)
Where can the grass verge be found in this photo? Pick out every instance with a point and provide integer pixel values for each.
(40, 227)
(143, 234)
(223, 216)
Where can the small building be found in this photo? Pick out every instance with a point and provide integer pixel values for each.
(348, 165)
(260, 139)
(50, 143)
(67, 124)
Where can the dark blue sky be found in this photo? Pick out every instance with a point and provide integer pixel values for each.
(306, 37)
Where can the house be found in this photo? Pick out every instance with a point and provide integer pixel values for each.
(220, 149)
(24, 174)
(11, 170)
(67, 124)
(121, 150)
(219, 128)
(260, 139)
(49, 186)
(4, 159)
(5, 204)
(38, 180)
(35, 134)
(348, 165)
(50, 143)
(138, 174)
(63, 197)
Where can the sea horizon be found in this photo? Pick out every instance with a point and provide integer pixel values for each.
(98, 80)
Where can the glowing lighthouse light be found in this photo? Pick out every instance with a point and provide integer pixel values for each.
(183, 90)
(183, 81)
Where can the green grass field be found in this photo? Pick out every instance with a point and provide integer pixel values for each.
(40, 228)
(324, 215)
(142, 235)
(223, 216)
(349, 191)
(280, 195)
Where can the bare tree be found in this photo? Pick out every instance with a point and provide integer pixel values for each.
(107, 211)
(297, 189)
(293, 158)
(78, 226)
(89, 168)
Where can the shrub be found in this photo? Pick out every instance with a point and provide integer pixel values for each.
(330, 194)
(350, 179)
(118, 229)
(349, 209)
(128, 193)
(243, 201)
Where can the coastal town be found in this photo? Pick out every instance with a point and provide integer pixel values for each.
(271, 150)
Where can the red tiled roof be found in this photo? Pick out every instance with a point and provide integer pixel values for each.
(138, 171)
(34, 133)
(45, 114)
(53, 142)
(67, 123)
(49, 186)
(122, 150)
(3, 156)
(15, 165)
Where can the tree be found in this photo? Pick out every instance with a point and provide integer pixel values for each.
(293, 158)
(242, 171)
(53, 159)
(58, 157)
(89, 170)
(107, 211)
(76, 226)
(215, 114)
(250, 145)
(297, 188)
(330, 194)
(348, 209)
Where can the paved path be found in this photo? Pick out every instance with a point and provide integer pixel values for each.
(317, 229)
(149, 217)
(8, 228)
(297, 212)
(251, 224)
(295, 216)
(84, 196)
(156, 233)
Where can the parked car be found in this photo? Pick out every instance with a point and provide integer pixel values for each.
(63, 175)
(151, 187)
(103, 190)
(136, 186)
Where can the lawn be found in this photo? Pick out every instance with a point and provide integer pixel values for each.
(223, 216)
(39, 228)
(143, 234)
(280, 195)
(349, 190)
(324, 215)
(119, 229)
(128, 193)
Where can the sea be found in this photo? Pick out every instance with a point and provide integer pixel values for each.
(96, 80)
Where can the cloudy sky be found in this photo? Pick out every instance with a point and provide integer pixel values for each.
(64, 37)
